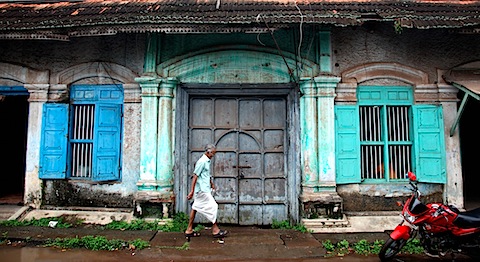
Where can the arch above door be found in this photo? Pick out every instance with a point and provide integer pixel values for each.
(237, 64)
(395, 71)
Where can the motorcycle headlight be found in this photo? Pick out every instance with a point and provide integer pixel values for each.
(409, 218)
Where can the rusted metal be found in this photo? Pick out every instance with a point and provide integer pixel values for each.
(242, 167)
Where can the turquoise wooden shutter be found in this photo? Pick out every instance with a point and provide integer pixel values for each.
(429, 143)
(347, 144)
(106, 158)
(53, 142)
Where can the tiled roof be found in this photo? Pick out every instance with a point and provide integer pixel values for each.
(64, 19)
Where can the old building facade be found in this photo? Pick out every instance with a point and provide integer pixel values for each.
(310, 117)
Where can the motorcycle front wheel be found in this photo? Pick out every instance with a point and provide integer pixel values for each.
(391, 248)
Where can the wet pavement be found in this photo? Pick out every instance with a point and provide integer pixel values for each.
(243, 244)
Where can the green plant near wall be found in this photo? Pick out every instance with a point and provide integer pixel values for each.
(287, 225)
(363, 247)
(97, 243)
(397, 25)
(177, 224)
(42, 222)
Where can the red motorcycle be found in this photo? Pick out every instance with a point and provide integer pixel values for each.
(441, 229)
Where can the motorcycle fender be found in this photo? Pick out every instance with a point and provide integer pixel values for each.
(401, 231)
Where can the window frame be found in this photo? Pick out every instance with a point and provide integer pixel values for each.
(385, 142)
(428, 140)
(55, 145)
(383, 97)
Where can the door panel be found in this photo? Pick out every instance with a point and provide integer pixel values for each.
(249, 167)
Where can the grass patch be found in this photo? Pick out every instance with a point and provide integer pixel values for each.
(185, 246)
(363, 247)
(97, 243)
(287, 225)
(177, 224)
(42, 222)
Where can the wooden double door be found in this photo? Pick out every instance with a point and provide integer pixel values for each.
(249, 168)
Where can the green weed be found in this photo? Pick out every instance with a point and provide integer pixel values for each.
(185, 246)
(177, 224)
(413, 246)
(96, 243)
(328, 245)
(363, 247)
(287, 225)
(343, 247)
(42, 222)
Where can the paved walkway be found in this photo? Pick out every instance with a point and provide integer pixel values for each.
(243, 242)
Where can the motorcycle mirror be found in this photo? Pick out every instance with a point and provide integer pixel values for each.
(411, 176)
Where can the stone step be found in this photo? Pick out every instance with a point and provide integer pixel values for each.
(352, 224)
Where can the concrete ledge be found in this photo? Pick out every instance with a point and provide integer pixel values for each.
(355, 224)
(20, 213)
(88, 217)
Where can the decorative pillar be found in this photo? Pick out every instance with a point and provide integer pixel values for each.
(148, 142)
(325, 51)
(155, 186)
(326, 132)
(149, 84)
(308, 135)
(33, 185)
(165, 139)
(319, 198)
(156, 157)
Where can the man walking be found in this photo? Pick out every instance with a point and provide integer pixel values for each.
(201, 192)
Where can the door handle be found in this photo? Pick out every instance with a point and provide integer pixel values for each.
(242, 167)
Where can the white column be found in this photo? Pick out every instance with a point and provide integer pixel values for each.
(33, 184)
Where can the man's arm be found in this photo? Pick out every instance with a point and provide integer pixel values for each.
(192, 190)
(211, 183)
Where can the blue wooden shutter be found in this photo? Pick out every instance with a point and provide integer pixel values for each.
(429, 143)
(53, 142)
(106, 153)
(347, 145)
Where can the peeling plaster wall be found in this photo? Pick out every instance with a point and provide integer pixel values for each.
(54, 56)
(430, 51)
(426, 50)
(377, 197)
(124, 49)
(33, 184)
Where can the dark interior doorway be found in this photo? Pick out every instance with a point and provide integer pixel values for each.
(13, 142)
(469, 147)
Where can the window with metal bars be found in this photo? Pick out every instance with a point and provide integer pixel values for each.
(385, 141)
(81, 140)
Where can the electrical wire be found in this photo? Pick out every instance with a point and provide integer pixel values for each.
(290, 71)
(300, 32)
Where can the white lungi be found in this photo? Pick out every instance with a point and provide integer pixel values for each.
(205, 204)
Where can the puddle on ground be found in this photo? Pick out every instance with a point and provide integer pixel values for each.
(48, 254)
(43, 254)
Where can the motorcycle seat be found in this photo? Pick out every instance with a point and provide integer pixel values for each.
(468, 219)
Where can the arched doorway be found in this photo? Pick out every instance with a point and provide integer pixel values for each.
(246, 102)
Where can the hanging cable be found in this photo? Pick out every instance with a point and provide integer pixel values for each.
(300, 32)
(290, 71)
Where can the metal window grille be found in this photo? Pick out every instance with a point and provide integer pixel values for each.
(373, 143)
(82, 140)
